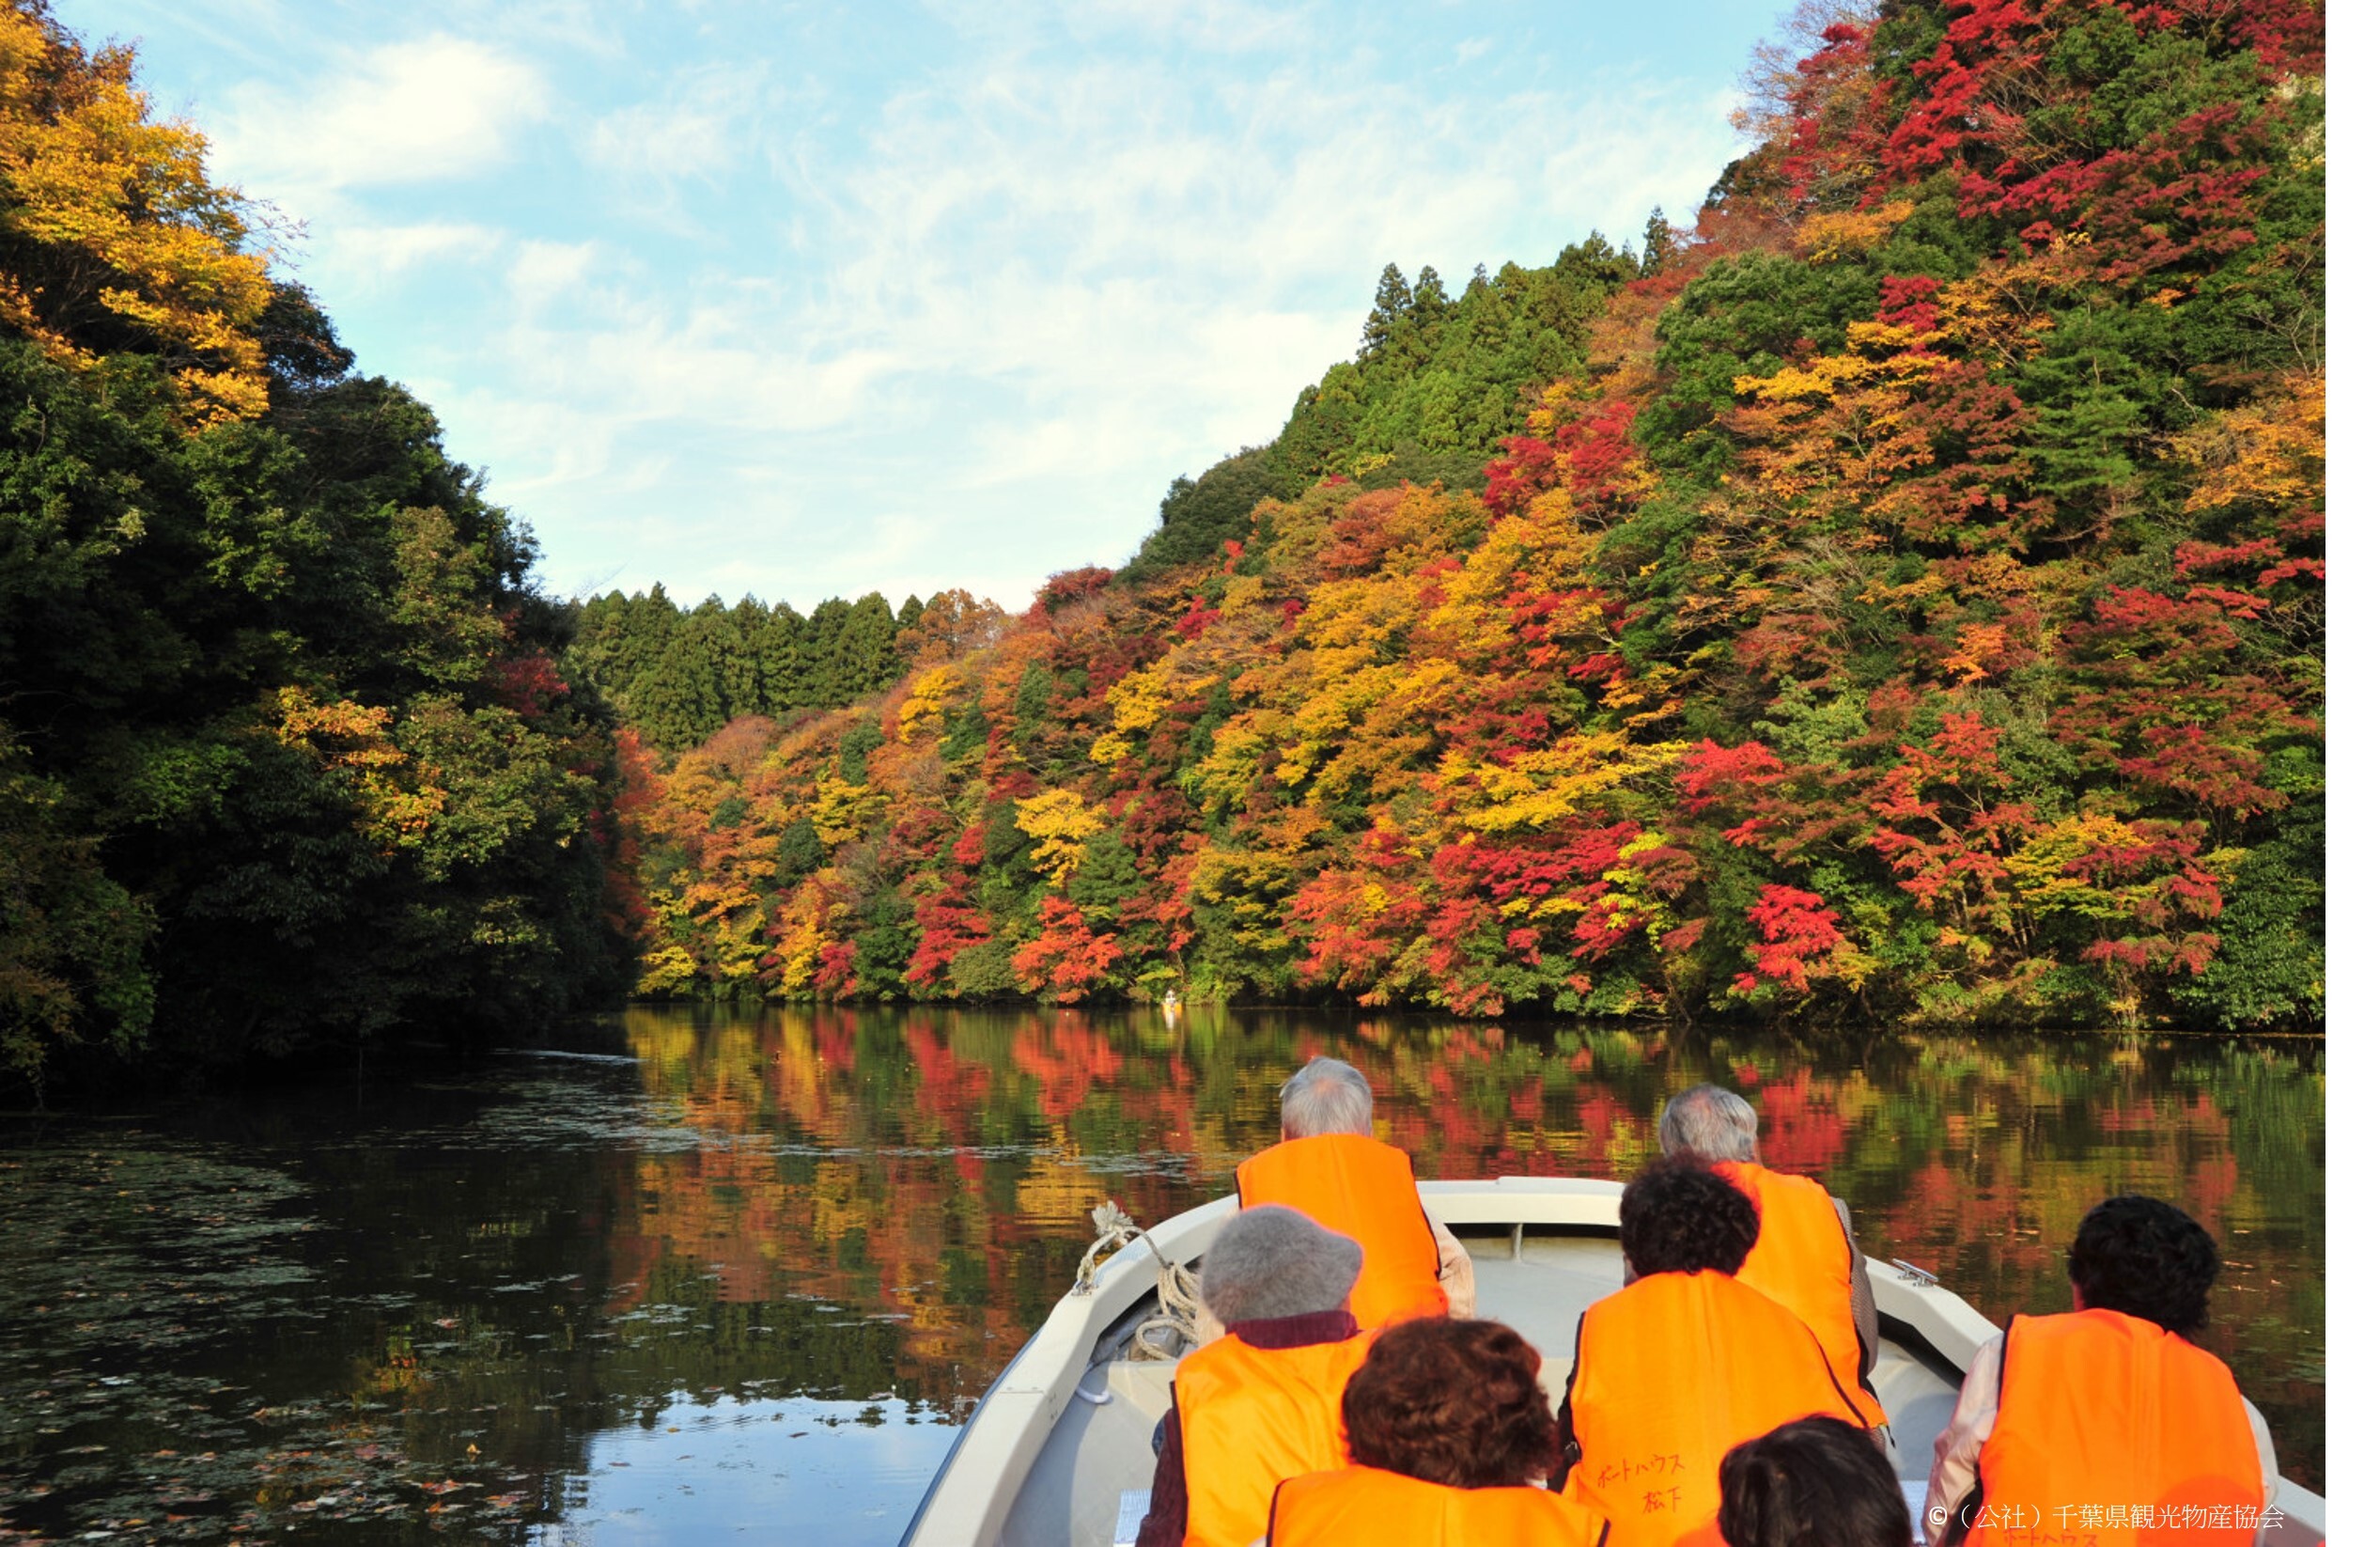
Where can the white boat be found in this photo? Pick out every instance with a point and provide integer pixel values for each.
(1062, 1438)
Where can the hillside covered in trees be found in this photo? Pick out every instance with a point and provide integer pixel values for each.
(1899, 595)
(287, 755)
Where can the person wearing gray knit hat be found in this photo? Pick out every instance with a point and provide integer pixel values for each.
(1272, 1261)
(1261, 1403)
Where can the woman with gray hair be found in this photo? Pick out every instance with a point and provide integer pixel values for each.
(1262, 1403)
(1330, 1168)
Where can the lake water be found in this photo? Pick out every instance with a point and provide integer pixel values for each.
(701, 1274)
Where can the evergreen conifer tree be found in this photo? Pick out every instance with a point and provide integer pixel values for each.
(1390, 302)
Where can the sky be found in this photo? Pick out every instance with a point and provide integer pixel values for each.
(802, 301)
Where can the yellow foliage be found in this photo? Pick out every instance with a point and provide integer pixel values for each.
(2270, 452)
(843, 811)
(116, 224)
(1829, 375)
(1545, 786)
(2039, 869)
(1542, 541)
(735, 921)
(1628, 898)
(664, 971)
(1063, 823)
(798, 941)
(1138, 701)
(1248, 884)
(351, 743)
(1240, 593)
(1825, 237)
(927, 696)
(1542, 417)
(1230, 769)
(1992, 313)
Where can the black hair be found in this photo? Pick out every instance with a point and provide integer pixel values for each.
(1681, 1216)
(1816, 1482)
(2145, 1257)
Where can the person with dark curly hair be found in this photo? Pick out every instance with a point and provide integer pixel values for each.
(2111, 1408)
(1682, 1364)
(1449, 1431)
(1817, 1482)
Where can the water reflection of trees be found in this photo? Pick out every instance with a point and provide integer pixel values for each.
(938, 1167)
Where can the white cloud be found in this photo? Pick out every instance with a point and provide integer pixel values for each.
(1039, 294)
(547, 271)
(432, 109)
(955, 328)
(374, 255)
(695, 130)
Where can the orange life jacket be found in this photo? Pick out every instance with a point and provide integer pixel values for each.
(1363, 1189)
(2100, 1409)
(1803, 1262)
(1365, 1506)
(1249, 1417)
(1673, 1372)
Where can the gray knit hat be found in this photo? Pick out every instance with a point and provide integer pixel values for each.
(1274, 1261)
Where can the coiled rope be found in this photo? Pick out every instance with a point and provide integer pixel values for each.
(1176, 1318)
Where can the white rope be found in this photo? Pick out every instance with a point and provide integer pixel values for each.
(1176, 1288)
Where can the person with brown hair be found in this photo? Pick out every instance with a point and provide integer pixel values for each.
(1683, 1364)
(1818, 1482)
(1449, 1431)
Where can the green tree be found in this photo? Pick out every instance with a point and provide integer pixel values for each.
(1390, 302)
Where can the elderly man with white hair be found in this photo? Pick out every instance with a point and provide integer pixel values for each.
(1806, 1259)
(1330, 1168)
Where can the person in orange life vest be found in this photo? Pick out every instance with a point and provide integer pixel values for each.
(1449, 1429)
(1806, 1259)
(1330, 1168)
(1684, 1363)
(1262, 1402)
(2108, 1405)
(1815, 1482)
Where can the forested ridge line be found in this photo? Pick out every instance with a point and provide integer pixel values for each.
(288, 757)
(1900, 596)
(1436, 386)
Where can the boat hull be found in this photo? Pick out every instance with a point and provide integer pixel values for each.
(1064, 1434)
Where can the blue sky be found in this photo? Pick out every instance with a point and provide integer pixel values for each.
(804, 301)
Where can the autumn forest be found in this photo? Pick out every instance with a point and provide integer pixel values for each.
(1892, 595)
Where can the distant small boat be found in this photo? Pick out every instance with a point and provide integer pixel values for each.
(1063, 1436)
